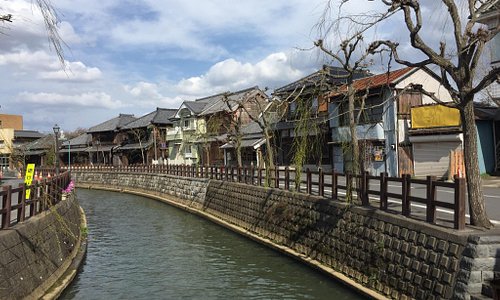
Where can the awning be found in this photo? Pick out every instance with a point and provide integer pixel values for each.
(254, 143)
(103, 148)
(135, 146)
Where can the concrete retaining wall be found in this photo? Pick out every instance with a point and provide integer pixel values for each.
(398, 257)
(35, 254)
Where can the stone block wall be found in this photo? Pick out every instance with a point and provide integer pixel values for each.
(398, 257)
(33, 253)
(188, 191)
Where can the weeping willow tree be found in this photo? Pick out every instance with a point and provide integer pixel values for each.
(51, 22)
(341, 39)
(308, 130)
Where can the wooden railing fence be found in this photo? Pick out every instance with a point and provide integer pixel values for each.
(365, 187)
(45, 193)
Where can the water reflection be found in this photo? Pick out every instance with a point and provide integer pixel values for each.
(143, 249)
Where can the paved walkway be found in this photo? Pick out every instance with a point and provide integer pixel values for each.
(492, 181)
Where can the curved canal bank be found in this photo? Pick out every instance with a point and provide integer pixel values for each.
(40, 256)
(143, 249)
(380, 254)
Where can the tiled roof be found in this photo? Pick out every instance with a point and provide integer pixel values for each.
(143, 121)
(195, 106)
(27, 134)
(81, 140)
(163, 116)
(328, 75)
(376, 81)
(159, 116)
(43, 143)
(217, 103)
(113, 124)
(251, 128)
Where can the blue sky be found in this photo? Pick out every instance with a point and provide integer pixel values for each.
(134, 56)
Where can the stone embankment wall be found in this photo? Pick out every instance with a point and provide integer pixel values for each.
(35, 254)
(395, 256)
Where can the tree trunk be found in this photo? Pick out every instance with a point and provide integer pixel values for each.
(354, 145)
(238, 152)
(477, 210)
(269, 150)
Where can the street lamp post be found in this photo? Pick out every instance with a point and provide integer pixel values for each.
(56, 134)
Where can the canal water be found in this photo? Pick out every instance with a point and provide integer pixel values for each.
(143, 249)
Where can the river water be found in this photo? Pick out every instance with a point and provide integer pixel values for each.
(143, 249)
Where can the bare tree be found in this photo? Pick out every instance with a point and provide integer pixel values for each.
(458, 73)
(72, 134)
(138, 134)
(265, 115)
(351, 55)
(235, 124)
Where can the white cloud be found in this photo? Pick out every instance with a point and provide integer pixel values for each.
(230, 74)
(151, 95)
(46, 66)
(75, 71)
(88, 99)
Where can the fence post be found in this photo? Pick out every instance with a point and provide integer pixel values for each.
(383, 191)
(364, 189)
(6, 204)
(431, 197)
(459, 215)
(321, 183)
(406, 193)
(259, 177)
(308, 181)
(335, 189)
(277, 177)
(238, 174)
(287, 178)
(245, 174)
(252, 177)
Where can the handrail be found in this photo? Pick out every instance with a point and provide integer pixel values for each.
(43, 194)
(324, 184)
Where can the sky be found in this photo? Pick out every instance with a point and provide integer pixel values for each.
(130, 57)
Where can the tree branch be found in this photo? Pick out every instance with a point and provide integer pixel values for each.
(492, 76)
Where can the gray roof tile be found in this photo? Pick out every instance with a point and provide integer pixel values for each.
(218, 104)
(113, 124)
(81, 140)
(27, 134)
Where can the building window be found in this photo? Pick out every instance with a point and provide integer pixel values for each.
(187, 149)
(315, 103)
(4, 161)
(186, 124)
(292, 109)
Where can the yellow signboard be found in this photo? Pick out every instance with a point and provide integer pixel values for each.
(434, 116)
(28, 178)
